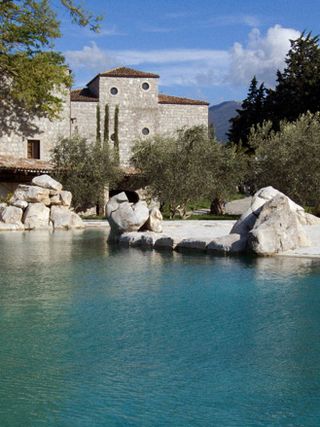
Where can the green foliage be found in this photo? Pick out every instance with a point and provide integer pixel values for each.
(116, 134)
(250, 114)
(298, 86)
(84, 169)
(32, 74)
(98, 128)
(289, 159)
(297, 91)
(188, 167)
(106, 125)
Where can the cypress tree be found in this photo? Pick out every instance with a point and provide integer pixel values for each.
(98, 132)
(250, 114)
(116, 134)
(106, 125)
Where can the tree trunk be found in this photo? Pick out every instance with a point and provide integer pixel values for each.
(217, 207)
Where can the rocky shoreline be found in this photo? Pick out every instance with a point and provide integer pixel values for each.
(272, 225)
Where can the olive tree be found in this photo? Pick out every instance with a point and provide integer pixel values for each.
(289, 160)
(187, 167)
(84, 169)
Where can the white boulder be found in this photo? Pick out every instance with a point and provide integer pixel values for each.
(125, 216)
(66, 198)
(31, 194)
(2, 206)
(63, 218)
(22, 204)
(11, 227)
(232, 243)
(277, 228)
(45, 181)
(11, 215)
(248, 219)
(154, 221)
(36, 217)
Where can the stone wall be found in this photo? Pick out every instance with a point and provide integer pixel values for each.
(84, 119)
(175, 116)
(47, 131)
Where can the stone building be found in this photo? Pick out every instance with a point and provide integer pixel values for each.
(141, 112)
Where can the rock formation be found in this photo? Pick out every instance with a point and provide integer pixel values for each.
(41, 205)
(272, 224)
(124, 216)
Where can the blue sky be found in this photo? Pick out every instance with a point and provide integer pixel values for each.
(205, 49)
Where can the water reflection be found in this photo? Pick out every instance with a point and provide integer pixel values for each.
(98, 335)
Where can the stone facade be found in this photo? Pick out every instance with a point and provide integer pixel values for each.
(143, 112)
(46, 131)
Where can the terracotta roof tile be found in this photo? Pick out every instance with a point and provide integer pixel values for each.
(12, 163)
(83, 95)
(167, 99)
(128, 72)
(125, 72)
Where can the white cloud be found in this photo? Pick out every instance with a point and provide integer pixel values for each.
(175, 66)
(260, 56)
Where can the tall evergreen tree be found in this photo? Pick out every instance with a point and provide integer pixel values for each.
(250, 114)
(298, 85)
(98, 127)
(106, 125)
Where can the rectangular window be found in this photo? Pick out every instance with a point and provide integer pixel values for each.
(33, 149)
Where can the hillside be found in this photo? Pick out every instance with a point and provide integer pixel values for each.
(219, 116)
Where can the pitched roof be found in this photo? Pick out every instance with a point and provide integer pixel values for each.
(167, 99)
(21, 164)
(126, 72)
(83, 95)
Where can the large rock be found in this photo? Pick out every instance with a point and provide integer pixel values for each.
(124, 216)
(277, 228)
(22, 204)
(45, 181)
(154, 221)
(11, 215)
(31, 194)
(248, 219)
(232, 243)
(63, 218)
(66, 198)
(11, 227)
(2, 207)
(36, 217)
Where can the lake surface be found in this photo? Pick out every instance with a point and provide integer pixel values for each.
(98, 336)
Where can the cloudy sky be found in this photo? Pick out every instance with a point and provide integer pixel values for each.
(204, 49)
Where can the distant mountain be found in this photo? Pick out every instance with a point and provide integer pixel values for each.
(219, 116)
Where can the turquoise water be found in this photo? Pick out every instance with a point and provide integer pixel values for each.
(99, 336)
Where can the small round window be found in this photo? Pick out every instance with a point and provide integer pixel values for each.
(145, 131)
(145, 86)
(113, 91)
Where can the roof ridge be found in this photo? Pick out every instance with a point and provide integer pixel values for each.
(169, 99)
